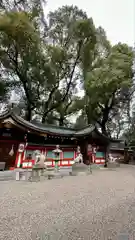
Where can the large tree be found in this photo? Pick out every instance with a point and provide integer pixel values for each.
(20, 56)
(108, 87)
(46, 69)
(69, 34)
(48, 63)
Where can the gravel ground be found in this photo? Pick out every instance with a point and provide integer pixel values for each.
(100, 206)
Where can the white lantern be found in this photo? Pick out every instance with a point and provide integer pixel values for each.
(21, 148)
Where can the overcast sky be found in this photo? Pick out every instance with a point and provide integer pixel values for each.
(115, 16)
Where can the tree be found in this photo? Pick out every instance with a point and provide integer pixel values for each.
(46, 71)
(20, 55)
(35, 8)
(3, 91)
(129, 131)
(47, 64)
(70, 32)
(117, 123)
(107, 87)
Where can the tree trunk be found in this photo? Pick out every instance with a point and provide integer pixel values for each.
(43, 118)
(103, 128)
(106, 155)
(88, 115)
(105, 120)
(61, 122)
(28, 115)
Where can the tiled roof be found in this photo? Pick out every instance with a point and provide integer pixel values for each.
(55, 129)
(50, 129)
(4, 114)
(85, 131)
(45, 128)
(117, 145)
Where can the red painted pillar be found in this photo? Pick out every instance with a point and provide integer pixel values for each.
(19, 155)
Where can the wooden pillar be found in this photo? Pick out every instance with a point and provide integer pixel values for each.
(19, 156)
(126, 155)
(107, 150)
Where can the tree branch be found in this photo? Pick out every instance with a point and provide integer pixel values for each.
(69, 83)
(22, 79)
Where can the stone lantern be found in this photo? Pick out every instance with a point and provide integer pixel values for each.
(56, 173)
(57, 158)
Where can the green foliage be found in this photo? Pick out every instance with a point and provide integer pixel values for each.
(107, 87)
(69, 32)
(20, 52)
(3, 91)
(62, 25)
(45, 72)
(48, 64)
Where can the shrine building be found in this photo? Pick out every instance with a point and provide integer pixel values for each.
(19, 139)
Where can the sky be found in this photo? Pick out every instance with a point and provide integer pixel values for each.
(115, 16)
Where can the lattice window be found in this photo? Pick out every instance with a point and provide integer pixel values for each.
(68, 154)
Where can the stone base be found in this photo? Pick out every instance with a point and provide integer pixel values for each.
(80, 169)
(23, 175)
(31, 175)
(38, 175)
(95, 166)
(55, 175)
(113, 165)
(79, 173)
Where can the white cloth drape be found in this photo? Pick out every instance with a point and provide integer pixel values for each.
(11, 153)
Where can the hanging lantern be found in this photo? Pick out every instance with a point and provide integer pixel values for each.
(21, 148)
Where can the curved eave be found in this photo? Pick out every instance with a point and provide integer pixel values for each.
(31, 127)
(5, 114)
(85, 131)
(105, 137)
(28, 126)
(38, 129)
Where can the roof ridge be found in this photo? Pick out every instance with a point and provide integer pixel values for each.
(5, 113)
(52, 129)
(12, 113)
(89, 125)
(40, 125)
(51, 125)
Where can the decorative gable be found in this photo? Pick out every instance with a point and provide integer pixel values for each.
(8, 123)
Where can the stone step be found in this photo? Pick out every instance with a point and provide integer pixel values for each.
(6, 178)
(96, 166)
(113, 165)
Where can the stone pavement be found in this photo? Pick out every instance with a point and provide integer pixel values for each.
(10, 175)
(100, 206)
(6, 175)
